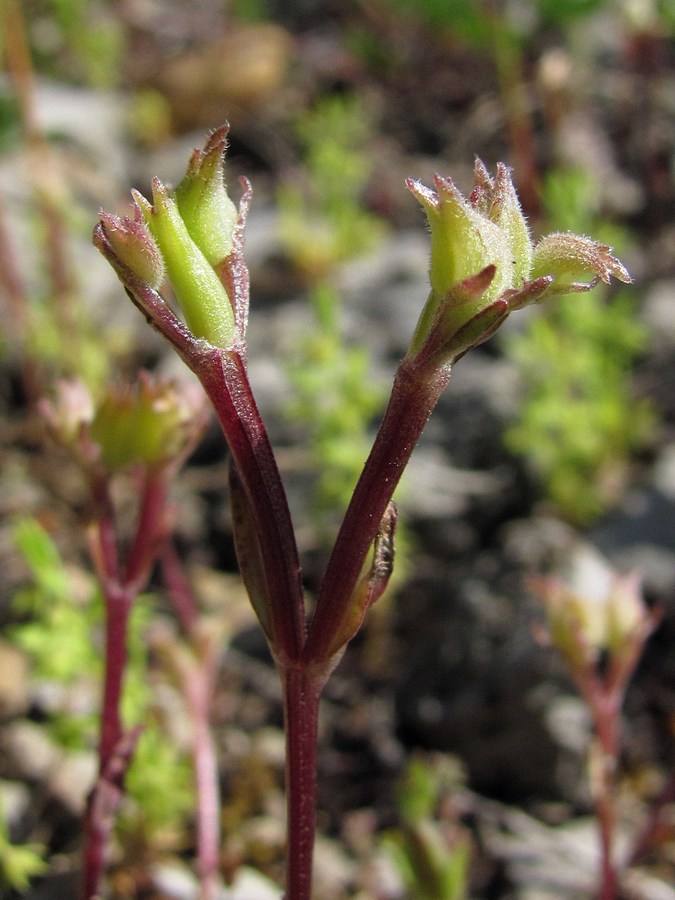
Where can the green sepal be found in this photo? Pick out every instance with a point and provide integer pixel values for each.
(464, 241)
(575, 262)
(148, 423)
(205, 208)
(199, 292)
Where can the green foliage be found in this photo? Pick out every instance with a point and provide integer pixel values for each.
(159, 781)
(250, 10)
(10, 122)
(19, 863)
(335, 398)
(562, 12)
(431, 855)
(322, 220)
(579, 422)
(85, 40)
(45, 343)
(56, 610)
(323, 223)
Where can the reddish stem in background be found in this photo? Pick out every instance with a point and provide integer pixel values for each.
(119, 592)
(208, 805)
(118, 602)
(179, 589)
(197, 684)
(606, 709)
(106, 793)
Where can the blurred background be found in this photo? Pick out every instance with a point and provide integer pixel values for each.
(454, 748)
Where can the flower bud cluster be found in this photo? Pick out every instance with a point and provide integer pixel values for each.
(484, 263)
(187, 237)
(152, 424)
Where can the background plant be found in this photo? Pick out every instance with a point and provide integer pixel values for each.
(431, 848)
(66, 602)
(601, 637)
(580, 423)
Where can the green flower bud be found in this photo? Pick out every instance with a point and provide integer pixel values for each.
(150, 423)
(463, 241)
(207, 211)
(626, 613)
(484, 266)
(134, 246)
(199, 292)
(576, 263)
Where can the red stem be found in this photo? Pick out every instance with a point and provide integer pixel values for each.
(413, 397)
(301, 713)
(118, 604)
(150, 529)
(608, 727)
(223, 375)
(228, 388)
(183, 602)
(106, 793)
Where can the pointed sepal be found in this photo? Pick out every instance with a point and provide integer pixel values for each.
(199, 292)
(575, 263)
(204, 205)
